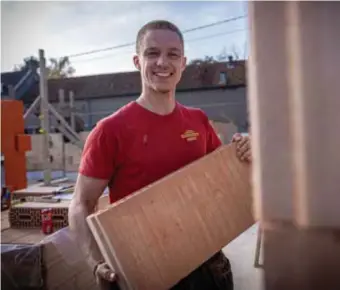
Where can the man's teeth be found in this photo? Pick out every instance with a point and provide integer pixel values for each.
(163, 74)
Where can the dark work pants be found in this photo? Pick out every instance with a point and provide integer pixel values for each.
(214, 274)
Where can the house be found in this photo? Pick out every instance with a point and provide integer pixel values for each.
(217, 88)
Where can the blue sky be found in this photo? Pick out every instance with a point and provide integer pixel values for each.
(65, 28)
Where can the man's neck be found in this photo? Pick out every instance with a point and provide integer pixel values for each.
(159, 103)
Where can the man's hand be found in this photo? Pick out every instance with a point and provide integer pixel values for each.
(243, 147)
(104, 275)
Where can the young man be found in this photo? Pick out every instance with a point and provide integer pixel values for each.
(141, 143)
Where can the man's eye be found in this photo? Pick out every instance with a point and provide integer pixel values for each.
(152, 53)
(174, 55)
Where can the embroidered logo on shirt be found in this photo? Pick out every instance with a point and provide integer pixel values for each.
(190, 135)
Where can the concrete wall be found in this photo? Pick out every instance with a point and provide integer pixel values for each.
(220, 105)
(72, 153)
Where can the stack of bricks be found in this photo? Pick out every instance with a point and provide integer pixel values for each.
(28, 215)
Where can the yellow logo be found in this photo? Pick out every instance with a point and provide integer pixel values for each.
(190, 135)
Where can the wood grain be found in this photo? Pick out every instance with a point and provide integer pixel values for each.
(158, 235)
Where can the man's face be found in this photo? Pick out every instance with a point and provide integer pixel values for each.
(160, 60)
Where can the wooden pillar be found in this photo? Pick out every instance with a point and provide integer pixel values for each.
(44, 117)
(63, 150)
(72, 110)
(294, 96)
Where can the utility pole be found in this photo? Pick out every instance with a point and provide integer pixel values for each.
(72, 109)
(44, 118)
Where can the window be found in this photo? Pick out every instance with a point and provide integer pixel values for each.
(223, 78)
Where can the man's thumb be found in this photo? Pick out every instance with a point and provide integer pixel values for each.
(106, 273)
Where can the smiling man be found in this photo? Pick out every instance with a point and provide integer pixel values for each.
(144, 141)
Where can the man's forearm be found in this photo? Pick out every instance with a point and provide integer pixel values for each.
(81, 231)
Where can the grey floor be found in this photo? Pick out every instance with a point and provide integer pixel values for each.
(241, 253)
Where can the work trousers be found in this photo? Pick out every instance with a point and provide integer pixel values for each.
(214, 274)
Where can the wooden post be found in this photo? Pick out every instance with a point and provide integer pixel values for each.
(44, 117)
(11, 92)
(72, 109)
(61, 107)
(61, 99)
(294, 110)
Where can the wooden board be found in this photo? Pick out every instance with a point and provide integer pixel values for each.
(160, 234)
(40, 190)
(63, 272)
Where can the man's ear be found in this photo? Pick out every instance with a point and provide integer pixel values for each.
(136, 61)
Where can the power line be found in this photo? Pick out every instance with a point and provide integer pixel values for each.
(133, 43)
(187, 41)
(215, 23)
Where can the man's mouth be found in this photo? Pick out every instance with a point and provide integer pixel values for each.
(163, 74)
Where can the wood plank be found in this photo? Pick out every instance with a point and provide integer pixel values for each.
(294, 114)
(26, 236)
(61, 271)
(41, 190)
(158, 235)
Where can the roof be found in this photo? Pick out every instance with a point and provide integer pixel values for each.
(129, 83)
(206, 76)
(10, 79)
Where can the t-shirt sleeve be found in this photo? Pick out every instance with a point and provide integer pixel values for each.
(213, 141)
(99, 156)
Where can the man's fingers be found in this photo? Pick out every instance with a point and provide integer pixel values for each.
(236, 137)
(243, 145)
(243, 141)
(245, 156)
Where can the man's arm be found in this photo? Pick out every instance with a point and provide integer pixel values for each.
(86, 195)
(96, 169)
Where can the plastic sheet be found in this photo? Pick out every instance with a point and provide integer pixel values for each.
(21, 267)
(54, 263)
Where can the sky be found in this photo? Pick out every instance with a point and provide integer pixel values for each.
(64, 28)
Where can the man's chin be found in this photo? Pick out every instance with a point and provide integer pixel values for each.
(162, 90)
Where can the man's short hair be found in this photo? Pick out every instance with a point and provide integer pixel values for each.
(157, 24)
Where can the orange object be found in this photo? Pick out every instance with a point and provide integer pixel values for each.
(14, 143)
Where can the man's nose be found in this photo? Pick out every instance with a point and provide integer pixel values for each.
(162, 60)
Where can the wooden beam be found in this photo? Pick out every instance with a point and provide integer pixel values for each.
(72, 110)
(294, 111)
(44, 116)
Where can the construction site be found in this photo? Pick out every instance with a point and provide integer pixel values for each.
(277, 218)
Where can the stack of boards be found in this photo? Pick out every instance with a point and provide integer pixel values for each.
(158, 235)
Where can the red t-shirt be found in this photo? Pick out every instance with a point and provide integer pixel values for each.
(134, 147)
